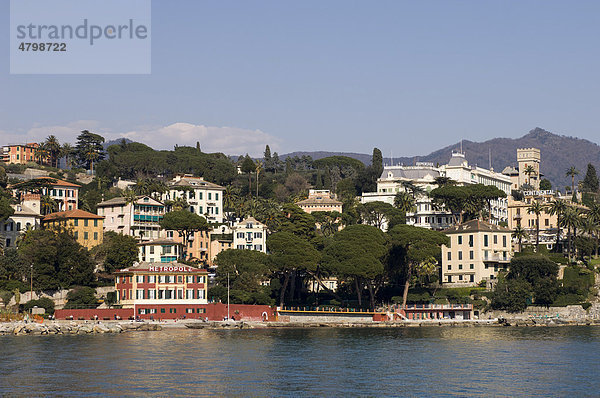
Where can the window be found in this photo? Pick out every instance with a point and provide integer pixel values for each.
(151, 249)
(459, 266)
(162, 310)
(449, 256)
(471, 266)
(139, 294)
(460, 277)
(470, 240)
(200, 293)
(151, 294)
(460, 255)
(180, 294)
(189, 294)
(209, 196)
(471, 256)
(258, 235)
(258, 247)
(189, 279)
(449, 278)
(472, 278)
(76, 222)
(95, 223)
(95, 235)
(546, 222)
(485, 240)
(139, 278)
(449, 267)
(151, 278)
(76, 234)
(179, 279)
(85, 223)
(504, 241)
(85, 236)
(495, 239)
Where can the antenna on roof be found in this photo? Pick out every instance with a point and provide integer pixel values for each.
(461, 151)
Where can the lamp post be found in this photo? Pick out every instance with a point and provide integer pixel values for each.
(228, 296)
(31, 282)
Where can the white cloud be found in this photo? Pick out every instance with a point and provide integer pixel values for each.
(229, 140)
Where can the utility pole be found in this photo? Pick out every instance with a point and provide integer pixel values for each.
(228, 296)
(31, 282)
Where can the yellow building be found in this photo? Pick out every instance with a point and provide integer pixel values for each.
(478, 251)
(320, 200)
(86, 227)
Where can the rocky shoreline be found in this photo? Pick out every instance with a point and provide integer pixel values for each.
(21, 328)
(33, 328)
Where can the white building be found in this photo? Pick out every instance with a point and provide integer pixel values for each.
(23, 219)
(458, 169)
(159, 251)
(250, 234)
(423, 175)
(204, 198)
(140, 219)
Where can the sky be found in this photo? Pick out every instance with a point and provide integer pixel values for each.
(407, 77)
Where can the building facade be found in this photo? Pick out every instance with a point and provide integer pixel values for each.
(87, 228)
(166, 290)
(20, 153)
(23, 219)
(250, 234)
(139, 219)
(159, 251)
(204, 198)
(320, 200)
(478, 251)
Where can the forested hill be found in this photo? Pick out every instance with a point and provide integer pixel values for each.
(316, 155)
(559, 152)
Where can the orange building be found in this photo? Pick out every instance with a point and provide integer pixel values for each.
(20, 153)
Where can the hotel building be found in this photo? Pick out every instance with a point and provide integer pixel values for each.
(320, 200)
(477, 252)
(166, 290)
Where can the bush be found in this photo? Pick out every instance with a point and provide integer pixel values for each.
(562, 300)
(81, 297)
(44, 302)
(586, 305)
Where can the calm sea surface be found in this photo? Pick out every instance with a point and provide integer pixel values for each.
(560, 361)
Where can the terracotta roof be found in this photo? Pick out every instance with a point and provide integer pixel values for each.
(319, 200)
(169, 268)
(61, 182)
(475, 226)
(77, 213)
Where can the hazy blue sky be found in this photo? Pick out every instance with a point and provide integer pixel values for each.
(407, 77)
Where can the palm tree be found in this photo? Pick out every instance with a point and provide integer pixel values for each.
(591, 228)
(571, 220)
(67, 151)
(557, 207)
(54, 149)
(47, 204)
(259, 167)
(594, 215)
(536, 208)
(404, 202)
(529, 170)
(572, 172)
(414, 189)
(519, 234)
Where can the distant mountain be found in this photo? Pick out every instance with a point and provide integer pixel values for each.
(558, 153)
(113, 142)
